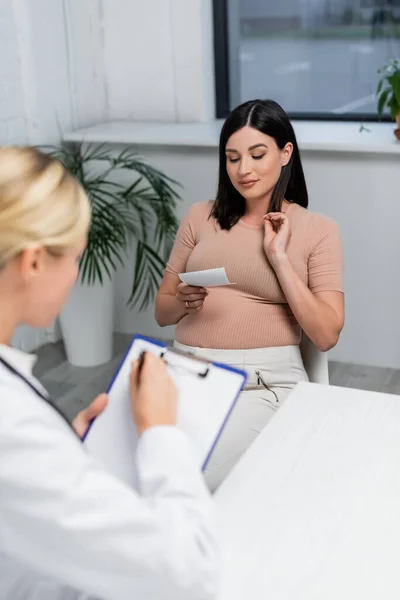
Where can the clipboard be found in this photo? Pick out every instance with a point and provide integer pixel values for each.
(207, 394)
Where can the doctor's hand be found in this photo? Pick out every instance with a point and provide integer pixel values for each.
(85, 417)
(154, 397)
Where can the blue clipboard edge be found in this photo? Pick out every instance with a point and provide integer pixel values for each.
(215, 364)
(244, 375)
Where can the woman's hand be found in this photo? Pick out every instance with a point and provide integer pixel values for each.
(276, 236)
(154, 397)
(83, 419)
(191, 297)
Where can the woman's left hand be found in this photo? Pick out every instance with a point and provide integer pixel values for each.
(276, 236)
(86, 416)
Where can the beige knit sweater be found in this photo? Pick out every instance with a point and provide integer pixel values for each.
(253, 313)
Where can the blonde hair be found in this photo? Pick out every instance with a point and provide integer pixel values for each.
(41, 203)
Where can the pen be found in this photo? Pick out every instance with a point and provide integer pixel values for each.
(141, 362)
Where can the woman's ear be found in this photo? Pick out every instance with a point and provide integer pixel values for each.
(30, 261)
(287, 153)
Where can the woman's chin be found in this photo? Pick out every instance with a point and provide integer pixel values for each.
(254, 195)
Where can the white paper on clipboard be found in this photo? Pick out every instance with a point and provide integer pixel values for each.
(205, 404)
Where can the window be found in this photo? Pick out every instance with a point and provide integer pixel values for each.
(317, 58)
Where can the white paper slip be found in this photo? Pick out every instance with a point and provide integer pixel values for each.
(207, 393)
(207, 278)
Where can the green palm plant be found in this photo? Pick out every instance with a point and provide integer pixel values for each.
(141, 212)
(388, 90)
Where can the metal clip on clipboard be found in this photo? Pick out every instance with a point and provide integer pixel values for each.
(168, 354)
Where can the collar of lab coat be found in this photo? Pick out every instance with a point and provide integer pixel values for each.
(21, 361)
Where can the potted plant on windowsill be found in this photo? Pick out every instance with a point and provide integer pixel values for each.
(133, 212)
(388, 92)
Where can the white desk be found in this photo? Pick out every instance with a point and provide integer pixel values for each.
(312, 511)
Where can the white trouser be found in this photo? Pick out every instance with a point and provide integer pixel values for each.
(272, 373)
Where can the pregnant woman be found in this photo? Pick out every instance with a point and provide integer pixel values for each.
(286, 263)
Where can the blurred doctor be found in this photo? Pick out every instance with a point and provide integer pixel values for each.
(69, 529)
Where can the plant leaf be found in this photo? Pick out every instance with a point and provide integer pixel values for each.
(393, 106)
(139, 214)
(396, 87)
(382, 101)
(149, 269)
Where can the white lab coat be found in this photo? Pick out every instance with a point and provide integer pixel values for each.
(68, 525)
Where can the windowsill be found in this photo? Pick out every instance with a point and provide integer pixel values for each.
(327, 136)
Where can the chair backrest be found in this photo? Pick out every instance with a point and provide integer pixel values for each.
(315, 361)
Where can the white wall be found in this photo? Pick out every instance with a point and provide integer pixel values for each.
(81, 62)
(141, 60)
(12, 121)
(35, 102)
(35, 92)
(355, 189)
